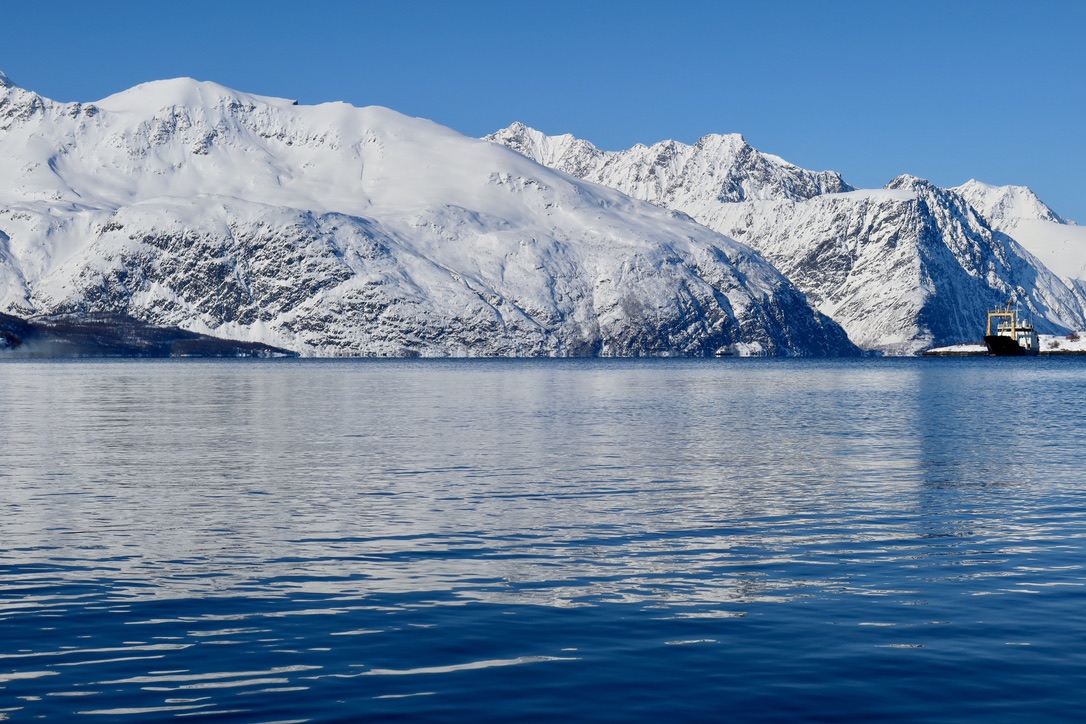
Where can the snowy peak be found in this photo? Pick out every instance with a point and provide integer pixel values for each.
(722, 143)
(535, 144)
(908, 182)
(1002, 205)
(18, 105)
(565, 153)
(186, 92)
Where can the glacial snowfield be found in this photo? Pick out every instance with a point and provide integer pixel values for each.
(336, 230)
(902, 269)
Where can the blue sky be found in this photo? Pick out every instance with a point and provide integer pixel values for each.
(947, 90)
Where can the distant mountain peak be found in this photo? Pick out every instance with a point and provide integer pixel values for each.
(908, 182)
(6, 82)
(565, 152)
(718, 141)
(717, 168)
(1003, 205)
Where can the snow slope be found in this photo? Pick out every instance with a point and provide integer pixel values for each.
(902, 269)
(1017, 212)
(335, 230)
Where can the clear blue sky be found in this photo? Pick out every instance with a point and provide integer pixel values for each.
(946, 90)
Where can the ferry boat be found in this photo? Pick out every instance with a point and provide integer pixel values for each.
(1013, 336)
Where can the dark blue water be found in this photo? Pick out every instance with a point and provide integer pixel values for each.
(517, 541)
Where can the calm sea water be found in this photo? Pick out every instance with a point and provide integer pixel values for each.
(517, 541)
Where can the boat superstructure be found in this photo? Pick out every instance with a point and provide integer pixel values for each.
(1012, 335)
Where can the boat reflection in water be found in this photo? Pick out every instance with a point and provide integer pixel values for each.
(1013, 336)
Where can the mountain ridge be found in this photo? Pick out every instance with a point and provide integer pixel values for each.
(742, 173)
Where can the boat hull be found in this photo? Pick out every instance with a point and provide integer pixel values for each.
(1001, 346)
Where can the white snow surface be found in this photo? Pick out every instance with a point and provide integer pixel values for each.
(901, 268)
(336, 230)
(1061, 247)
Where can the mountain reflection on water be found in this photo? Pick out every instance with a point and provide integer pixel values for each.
(317, 521)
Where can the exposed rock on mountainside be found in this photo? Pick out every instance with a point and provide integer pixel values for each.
(901, 269)
(334, 230)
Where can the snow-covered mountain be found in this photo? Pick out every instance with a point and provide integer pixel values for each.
(902, 268)
(335, 230)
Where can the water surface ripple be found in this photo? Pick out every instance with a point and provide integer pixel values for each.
(494, 540)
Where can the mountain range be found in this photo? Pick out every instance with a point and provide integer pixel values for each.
(334, 230)
(902, 268)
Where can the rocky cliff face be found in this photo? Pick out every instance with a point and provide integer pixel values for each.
(333, 230)
(901, 269)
